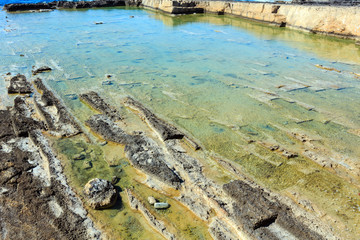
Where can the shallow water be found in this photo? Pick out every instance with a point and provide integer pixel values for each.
(224, 80)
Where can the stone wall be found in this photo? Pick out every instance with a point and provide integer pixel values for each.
(341, 21)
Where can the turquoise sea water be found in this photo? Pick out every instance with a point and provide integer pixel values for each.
(222, 79)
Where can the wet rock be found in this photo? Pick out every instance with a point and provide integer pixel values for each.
(161, 205)
(165, 130)
(41, 70)
(80, 156)
(151, 200)
(107, 82)
(87, 165)
(100, 193)
(56, 116)
(114, 180)
(19, 84)
(71, 96)
(99, 104)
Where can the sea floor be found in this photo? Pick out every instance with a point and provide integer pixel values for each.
(281, 104)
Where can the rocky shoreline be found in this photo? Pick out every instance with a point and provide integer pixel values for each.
(334, 18)
(31, 172)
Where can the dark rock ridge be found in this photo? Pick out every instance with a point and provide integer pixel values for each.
(143, 152)
(69, 5)
(165, 130)
(56, 116)
(19, 84)
(95, 101)
(41, 70)
(253, 209)
(21, 118)
(100, 193)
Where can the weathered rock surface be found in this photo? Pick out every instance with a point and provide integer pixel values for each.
(105, 127)
(56, 116)
(41, 70)
(100, 193)
(21, 118)
(143, 152)
(19, 84)
(157, 224)
(165, 130)
(256, 211)
(327, 19)
(35, 200)
(95, 101)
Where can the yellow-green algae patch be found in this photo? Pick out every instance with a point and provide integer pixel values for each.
(120, 221)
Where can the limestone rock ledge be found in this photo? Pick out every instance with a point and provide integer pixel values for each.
(341, 21)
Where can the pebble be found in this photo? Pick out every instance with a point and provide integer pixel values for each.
(151, 200)
(161, 205)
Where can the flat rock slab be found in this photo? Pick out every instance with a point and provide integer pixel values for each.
(57, 118)
(19, 84)
(100, 193)
(99, 104)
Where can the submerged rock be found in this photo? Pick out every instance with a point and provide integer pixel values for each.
(100, 193)
(41, 70)
(19, 84)
(57, 117)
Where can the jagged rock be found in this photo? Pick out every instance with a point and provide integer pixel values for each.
(145, 154)
(21, 118)
(95, 101)
(19, 84)
(57, 118)
(161, 205)
(100, 193)
(103, 125)
(6, 130)
(41, 70)
(151, 200)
